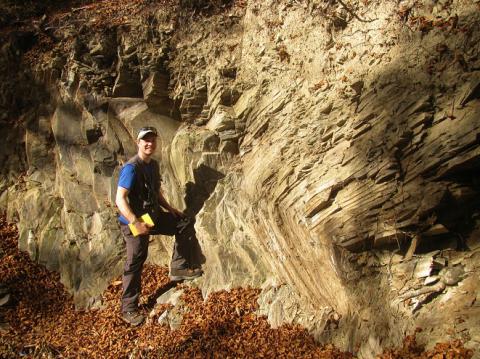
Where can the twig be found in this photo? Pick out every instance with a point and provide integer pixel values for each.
(440, 286)
(82, 8)
(81, 64)
(352, 13)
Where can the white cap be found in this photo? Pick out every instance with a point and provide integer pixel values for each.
(146, 130)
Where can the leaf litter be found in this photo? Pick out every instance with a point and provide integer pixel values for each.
(42, 321)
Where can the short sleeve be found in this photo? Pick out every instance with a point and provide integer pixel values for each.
(127, 176)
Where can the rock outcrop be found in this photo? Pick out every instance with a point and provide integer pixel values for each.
(329, 151)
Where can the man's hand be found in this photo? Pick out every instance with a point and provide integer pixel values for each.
(142, 228)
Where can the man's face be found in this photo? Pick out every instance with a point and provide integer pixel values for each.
(147, 144)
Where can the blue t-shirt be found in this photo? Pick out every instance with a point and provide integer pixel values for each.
(127, 179)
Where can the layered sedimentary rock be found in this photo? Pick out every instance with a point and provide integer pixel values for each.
(325, 149)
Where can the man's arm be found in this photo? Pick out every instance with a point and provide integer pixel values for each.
(124, 208)
(163, 202)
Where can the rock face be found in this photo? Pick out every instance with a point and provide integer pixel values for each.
(325, 150)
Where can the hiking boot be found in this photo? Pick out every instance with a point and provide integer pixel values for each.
(197, 271)
(133, 318)
(185, 274)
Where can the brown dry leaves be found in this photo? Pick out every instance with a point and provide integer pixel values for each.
(44, 321)
(411, 349)
(93, 17)
(109, 13)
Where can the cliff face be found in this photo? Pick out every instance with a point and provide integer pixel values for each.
(329, 150)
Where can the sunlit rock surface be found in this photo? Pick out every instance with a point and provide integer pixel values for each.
(330, 155)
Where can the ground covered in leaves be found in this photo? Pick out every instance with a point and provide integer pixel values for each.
(41, 321)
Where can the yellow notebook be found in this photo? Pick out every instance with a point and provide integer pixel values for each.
(145, 218)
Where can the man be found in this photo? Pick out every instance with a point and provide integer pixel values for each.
(139, 192)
